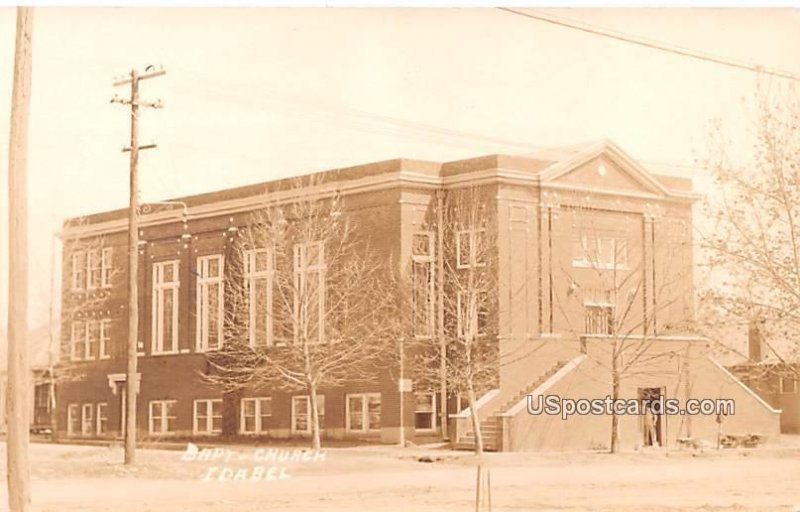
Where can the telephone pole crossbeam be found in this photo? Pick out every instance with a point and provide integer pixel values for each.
(139, 78)
(132, 375)
(146, 146)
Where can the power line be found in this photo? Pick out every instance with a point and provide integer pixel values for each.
(655, 45)
(373, 123)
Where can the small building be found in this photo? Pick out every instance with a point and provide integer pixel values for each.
(776, 381)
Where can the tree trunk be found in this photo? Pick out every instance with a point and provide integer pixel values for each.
(476, 423)
(614, 417)
(316, 443)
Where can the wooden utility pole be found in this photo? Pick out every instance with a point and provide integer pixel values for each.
(440, 315)
(19, 378)
(132, 374)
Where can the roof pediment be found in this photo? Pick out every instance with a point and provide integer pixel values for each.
(604, 166)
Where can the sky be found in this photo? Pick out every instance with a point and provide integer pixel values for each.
(256, 94)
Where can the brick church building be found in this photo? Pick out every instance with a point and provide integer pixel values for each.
(594, 262)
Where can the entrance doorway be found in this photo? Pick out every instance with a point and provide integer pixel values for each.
(652, 419)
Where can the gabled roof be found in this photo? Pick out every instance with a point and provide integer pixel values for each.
(609, 150)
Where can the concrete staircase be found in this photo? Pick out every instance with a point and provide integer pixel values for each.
(490, 433)
(491, 426)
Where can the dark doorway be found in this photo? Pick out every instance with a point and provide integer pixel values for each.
(652, 422)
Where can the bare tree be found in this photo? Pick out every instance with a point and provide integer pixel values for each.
(469, 303)
(307, 304)
(753, 243)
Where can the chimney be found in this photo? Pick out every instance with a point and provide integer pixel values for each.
(755, 341)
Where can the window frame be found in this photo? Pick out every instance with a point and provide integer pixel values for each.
(157, 343)
(101, 419)
(79, 274)
(302, 272)
(258, 414)
(307, 399)
(366, 426)
(252, 275)
(104, 338)
(202, 313)
(472, 244)
(164, 417)
(209, 416)
(605, 308)
(432, 412)
(94, 267)
(77, 326)
(106, 261)
(73, 414)
(427, 261)
(583, 260)
(87, 421)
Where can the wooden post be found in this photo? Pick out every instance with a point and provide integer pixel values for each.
(440, 314)
(19, 379)
(131, 381)
(132, 373)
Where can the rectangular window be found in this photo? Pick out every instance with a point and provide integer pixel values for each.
(425, 411)
(105, 267)
(301, 413)
(599, 319)
(162, 417)
(422, 275)
(470, 248)
(87, 420)
(788, 385)
(92, 339)
(473, 313)
(210, 297)
(105, 338)
(165, 307)
(94, 269)
(79, 270)
(602, 252)
(309, 299)
(102, 419)
(259, 278)
(42, 396)
(363, 412)
(73, 419)
(255, 415)
(77, 342)
(208, 416)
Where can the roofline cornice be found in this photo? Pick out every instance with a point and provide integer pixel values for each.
(387, 181)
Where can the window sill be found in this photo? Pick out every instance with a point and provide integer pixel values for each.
(599, 266)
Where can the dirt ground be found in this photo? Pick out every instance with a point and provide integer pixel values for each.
(382, 478)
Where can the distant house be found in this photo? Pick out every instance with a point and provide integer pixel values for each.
(562, 219)
(42, 384)
(777, 382)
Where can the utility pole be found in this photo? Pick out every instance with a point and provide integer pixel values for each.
(132, 377)
(440, 316)
(19, 404)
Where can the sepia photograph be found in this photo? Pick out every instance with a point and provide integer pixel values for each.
(397, 256)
